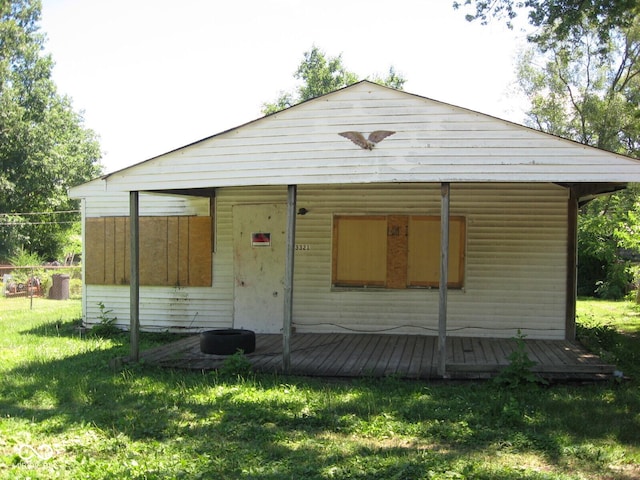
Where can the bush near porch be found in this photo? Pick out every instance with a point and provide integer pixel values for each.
(66, 414)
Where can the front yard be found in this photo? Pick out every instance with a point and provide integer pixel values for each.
(64, 413)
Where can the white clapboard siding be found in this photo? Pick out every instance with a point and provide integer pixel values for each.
(173, 309)
(116, 204)
(434, 142)
(515, 274)
(179, 308)
(187, 308)
(515, 262)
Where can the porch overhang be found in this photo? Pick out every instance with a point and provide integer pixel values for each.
(587, 191)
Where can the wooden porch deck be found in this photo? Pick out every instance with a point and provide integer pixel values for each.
(405, 356)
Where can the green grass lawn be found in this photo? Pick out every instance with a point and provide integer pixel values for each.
(64, 413)
(625, 316)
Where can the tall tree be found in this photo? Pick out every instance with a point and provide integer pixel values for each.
(566, 17)
(320, 75)
(44, 147)
(588, 90)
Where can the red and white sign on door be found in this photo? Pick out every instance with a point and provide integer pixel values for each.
(261, 239)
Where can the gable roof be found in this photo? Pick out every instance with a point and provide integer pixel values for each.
(433, 142)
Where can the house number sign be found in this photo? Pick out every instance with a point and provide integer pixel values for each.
(303, 246)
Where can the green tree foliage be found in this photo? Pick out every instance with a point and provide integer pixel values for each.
(588, 89)
(320, 75)
(567, 17)
(44, 147)
(609, 230)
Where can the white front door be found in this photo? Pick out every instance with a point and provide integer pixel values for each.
(259, 257)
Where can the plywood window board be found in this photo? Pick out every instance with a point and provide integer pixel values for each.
(94, 257)
(359, 250)
(174, 251)
(424, 251)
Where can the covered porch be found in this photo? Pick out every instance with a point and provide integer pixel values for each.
(402, 356)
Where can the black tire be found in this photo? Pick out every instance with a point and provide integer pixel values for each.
(227, 341)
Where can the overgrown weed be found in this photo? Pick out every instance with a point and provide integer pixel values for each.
(519, 370)
(106, 327)
(236, 365)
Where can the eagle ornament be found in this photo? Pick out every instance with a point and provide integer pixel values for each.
(367, 143)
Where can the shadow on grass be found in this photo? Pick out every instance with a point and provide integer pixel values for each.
(75, 330)
(269, 427)
(58, 328)
(612, 345)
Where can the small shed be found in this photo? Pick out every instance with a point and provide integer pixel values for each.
(365, 210)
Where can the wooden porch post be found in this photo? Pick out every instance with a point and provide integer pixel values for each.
(572, 266)
(288, 277)
(444, 278)
(134, 287)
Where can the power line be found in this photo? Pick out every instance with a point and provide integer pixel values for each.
(39, 213)
(19, 224)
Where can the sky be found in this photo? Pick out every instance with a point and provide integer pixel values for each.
(151, 76)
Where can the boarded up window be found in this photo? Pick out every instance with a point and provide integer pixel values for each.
(173, 251)
(360, 251)
(395, 251)
(424, 252)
